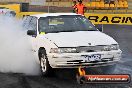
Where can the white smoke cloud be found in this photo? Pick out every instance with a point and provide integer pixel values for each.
(15, 48)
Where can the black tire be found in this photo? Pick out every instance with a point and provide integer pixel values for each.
(44, 63)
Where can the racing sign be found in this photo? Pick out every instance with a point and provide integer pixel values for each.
(110, 18)
(82, 78)
(14, 7)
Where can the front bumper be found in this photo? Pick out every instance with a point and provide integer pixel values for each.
(74, 60)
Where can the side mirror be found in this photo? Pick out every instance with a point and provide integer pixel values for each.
(31, 32)
(99, 27)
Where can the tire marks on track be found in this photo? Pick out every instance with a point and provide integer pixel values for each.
(23, 81)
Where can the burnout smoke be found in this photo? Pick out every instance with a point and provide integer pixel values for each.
(15, 48)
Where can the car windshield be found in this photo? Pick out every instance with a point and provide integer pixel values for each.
(53, 24)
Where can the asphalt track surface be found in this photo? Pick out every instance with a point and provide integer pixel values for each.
(65, 78)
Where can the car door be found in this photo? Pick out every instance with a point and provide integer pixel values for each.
(30, 23)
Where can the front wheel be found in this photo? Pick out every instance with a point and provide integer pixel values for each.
(44, 64)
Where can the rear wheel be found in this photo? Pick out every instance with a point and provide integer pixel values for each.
(44, 63)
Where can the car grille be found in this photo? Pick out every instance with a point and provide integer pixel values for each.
(90, 49)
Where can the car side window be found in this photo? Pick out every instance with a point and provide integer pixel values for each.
(25, 23)
(30, 23)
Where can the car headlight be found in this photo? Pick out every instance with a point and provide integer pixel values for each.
(114, 47)
(111, 47)
(63, 50)
(106, 48)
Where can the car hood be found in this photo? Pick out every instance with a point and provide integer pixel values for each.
(80, 38)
